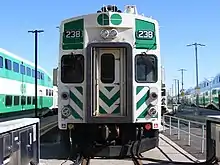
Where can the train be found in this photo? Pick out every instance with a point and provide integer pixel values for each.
(109, 81)
(209, 94)
(17, 87)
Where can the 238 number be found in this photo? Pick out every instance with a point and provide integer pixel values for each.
(73, 34)
(145, 34)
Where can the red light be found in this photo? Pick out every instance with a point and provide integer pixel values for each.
(147, 126)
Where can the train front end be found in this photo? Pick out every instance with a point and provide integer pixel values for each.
(110, 80)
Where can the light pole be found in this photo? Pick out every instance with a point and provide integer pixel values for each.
(35, 56)
(197, 76)
(182, 70)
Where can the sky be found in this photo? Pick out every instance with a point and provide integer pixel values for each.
(182, 22)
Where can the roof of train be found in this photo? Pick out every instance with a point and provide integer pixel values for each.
(22, 59)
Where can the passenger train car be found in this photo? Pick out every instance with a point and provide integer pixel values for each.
(209, 94)
(17, 87)
(109, 80)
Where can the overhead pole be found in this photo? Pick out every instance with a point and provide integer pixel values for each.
(182, 70)
(197, 75)
(36, 65)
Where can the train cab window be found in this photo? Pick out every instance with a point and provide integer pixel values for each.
(8, 100)
(28, 70)
(8, 64)
(29, 100)
(22, 69)
(16, 100)
(1, 62)
(146, 68)
(15, 67)
(107, 68)
(23, 100)
(42, 76)
(33, 73)
(72, 68)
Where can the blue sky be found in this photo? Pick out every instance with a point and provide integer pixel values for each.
(182, 23)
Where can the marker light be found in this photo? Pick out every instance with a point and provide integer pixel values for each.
(153, 95)
(66, 112)
(152, 112)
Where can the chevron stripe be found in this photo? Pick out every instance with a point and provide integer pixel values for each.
(109, 97)
(142, 95)
(76, 104)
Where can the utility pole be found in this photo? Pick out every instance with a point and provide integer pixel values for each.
(197, 76)
(178, 89)
(175, 80)
(35, 57)
(182, 70)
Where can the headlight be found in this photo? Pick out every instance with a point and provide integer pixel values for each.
(66, 112)
(113, 33)
(104, 33)
(65, 95)
(153, 95)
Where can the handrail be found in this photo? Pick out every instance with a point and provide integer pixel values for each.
(202, 137)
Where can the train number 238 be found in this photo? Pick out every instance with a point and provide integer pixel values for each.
(73, 34)
(145, 34)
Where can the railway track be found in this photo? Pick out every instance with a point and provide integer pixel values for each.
(48, 123)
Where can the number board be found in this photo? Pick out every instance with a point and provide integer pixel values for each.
(145, 34)
(73, 34)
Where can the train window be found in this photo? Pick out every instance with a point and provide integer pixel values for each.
(33, 100)
(28, 100)
(146, 68)
(33, 73)
(23, 100)
(214, 92)
(22, 69)
(28, 71)
(8, 100)
(107, 68)
(72, 68)
(42, 76)
(47, 92)
(8, 64)
(16, 100)
(38, 75)
(15, 67)
(51, 92)
(1, 62)
(163, 93)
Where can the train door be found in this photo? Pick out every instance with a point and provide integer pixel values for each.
(109, 81)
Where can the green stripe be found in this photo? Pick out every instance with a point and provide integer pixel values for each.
(110, 101)
(138, 89)
(76, 100)
(74, 113)
(80, 90)
(142, 100)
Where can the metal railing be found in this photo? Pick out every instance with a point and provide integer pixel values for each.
(174, 123)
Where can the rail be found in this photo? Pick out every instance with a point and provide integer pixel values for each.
(174, 123)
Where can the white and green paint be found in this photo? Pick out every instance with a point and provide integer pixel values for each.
(16, 84)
